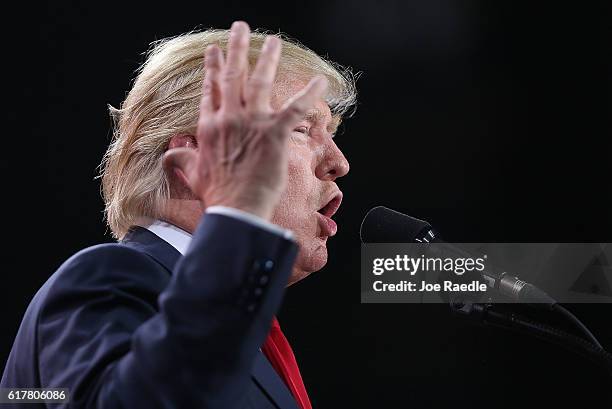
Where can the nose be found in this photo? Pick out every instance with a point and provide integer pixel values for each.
(333, 164)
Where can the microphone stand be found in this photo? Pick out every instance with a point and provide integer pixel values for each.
(487, 314)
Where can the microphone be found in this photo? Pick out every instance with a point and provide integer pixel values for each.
(384, 225)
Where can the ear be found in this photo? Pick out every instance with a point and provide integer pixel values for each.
(182, 141)
(180, 160)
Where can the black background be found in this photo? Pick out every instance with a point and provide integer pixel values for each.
(489, 119)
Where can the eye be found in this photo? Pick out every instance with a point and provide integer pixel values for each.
(302, 129)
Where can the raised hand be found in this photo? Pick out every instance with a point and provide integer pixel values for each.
(241, 159)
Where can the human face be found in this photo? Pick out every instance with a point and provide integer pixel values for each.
(312, 195)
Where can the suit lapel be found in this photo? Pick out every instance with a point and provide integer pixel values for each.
(268, 380)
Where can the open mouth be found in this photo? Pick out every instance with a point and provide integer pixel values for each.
(332, 206)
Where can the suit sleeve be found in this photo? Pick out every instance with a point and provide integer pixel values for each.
(104, 334)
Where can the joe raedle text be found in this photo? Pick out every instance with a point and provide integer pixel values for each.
(423, 286)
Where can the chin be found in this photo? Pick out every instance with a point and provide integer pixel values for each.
(311, 258)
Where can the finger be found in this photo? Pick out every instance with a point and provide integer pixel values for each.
(211, 93)
(259, 87)
(182, 162)
(296, 107)
(236, 66)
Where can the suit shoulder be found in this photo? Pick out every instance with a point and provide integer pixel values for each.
(105, 251)
(95, 280)
(107, 266)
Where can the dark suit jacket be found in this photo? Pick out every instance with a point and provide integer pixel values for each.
(135, 325)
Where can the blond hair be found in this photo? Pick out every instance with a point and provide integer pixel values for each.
(164, 101)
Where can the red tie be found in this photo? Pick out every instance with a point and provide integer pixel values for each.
(278, 351)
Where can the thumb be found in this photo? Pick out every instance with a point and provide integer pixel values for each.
(182, 162)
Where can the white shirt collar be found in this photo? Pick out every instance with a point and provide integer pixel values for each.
(173, 235)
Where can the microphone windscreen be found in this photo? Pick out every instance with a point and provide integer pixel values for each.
(384, 225)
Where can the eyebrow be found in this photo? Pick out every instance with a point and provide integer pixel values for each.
(315, 115)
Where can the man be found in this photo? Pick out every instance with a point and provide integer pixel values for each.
(247, 164)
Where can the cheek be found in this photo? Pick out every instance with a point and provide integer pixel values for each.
(297, 208)
(299, 184)
(297, 200)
